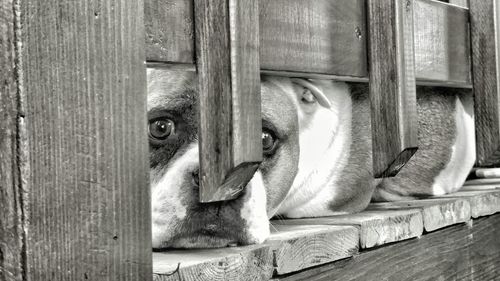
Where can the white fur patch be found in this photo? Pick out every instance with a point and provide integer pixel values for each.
(324, 139)
(463, 154)
(254, 210)
(166, 197)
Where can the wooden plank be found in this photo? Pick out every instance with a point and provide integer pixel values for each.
(461, 3)
(490, 181)
(298, 35)
(436, 213)
(236, 263)
(11, 216)
(485, 25)
(392, 85)
(85, 193)
(301, 37)
(482, 203)
(230, 130)
(297, 247)
(459, 252)
(442, 44)
(169, 30)
(376, 227)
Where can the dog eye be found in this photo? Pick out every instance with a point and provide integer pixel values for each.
(268, 142)
(161, 129)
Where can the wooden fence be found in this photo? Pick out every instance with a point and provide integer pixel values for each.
(73, 146)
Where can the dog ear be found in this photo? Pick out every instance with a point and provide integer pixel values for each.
(312, 93)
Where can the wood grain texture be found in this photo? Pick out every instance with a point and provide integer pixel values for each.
(458, 252)
(302, 37)
(442, 43)
(482, 202)
(227, 52)
(436, 213)
(11, 215)
(296, 247)
(85, 182)
(485, 25)
(461, 3)
(169, 26)
(376, 227)
(238, 263)
(392, 85)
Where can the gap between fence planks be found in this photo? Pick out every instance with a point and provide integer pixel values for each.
(74, 173)
(301, 38)
(287, 253)
(227, 52)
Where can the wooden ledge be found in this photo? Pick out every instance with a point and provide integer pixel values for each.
(436, 213)
(327, 248)
(376, 227)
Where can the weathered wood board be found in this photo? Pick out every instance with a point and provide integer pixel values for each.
(11, 216)
(297, 247)
(302, 36)
(393, 93)
(233, 263)
(482, 202)
(73, 143)
(442, 44)
(289, 249)
(230, 127)
(459, 252)
(376, 227)
(485, 28)
(436, 213)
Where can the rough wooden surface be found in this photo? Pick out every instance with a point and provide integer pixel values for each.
(376, 227)
(301, 37)
(238, 263)
(296, 247)
(169, 27)
(227, 52)
(458, 252)
(482, 202)
(298, 35)
(442, 43)
(461, 3)
(436, 213)
(486, 67)
(392, 85)
(11, 216)
(85, 182)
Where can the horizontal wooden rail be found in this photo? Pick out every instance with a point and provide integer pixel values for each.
(324, 38)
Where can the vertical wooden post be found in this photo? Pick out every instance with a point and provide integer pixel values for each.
(227, 52)
(485, 28)
(74, 190)
(11, 228)
(392, 84)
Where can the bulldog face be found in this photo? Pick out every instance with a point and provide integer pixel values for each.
(305, 138)
(178, 219)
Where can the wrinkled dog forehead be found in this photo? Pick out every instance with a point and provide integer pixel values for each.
(164, 86)
(279, 103)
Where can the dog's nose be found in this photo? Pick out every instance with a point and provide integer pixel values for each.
(196, 177)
